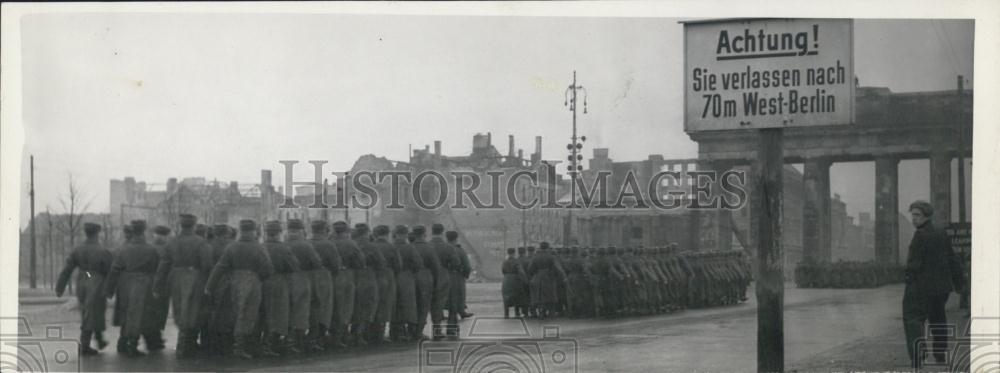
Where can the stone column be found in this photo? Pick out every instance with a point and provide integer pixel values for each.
(723, 216)
(886, 209)
(816, 210)
(940, 173)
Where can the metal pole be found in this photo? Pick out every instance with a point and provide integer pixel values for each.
(961, 152)
(770, 285)
(33, 275)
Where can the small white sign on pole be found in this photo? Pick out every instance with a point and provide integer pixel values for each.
(765, 73)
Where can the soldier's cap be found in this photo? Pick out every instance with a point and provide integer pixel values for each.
(295, 224)
(188, 220)
(521, 249)
(511, 250)
(401, 230)
(91, 228)
(200, 229)
(247, 225)
(381, 230)
(361, 227)
(437, 228)
(272, 226)
(161, 230)
(127, 229)
(621, 250)
(319, 226)
(600, 251)
(220, 230)
(138, 226)
(544, 245)
(531, 249)
(419, 230)
(451, 235)
(922, 206)
(339, 226)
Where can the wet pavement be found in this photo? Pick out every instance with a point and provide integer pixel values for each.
(824, 328)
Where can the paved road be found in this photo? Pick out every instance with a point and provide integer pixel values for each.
(824, 328)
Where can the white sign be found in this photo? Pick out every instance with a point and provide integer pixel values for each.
(761, 73)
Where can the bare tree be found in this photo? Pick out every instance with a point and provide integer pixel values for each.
(74, 206)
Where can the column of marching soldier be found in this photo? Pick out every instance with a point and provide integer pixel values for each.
(233, 291)
(613, 282)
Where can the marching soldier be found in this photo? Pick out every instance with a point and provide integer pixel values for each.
(543, 272)
(523, 300)
(321, 314)
(219, 329)
(158, 306)
(94, 263)
(426, 278)
(366, 296)
(187, 261)
(514, 279)
(386, 283)
(245, 263)
(450, 266)
(131, 278)
(452, 237)
(405, 316)
(301, 288)
(344, 284)
(277, 293)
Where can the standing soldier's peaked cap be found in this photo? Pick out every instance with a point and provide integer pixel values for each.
(188, 220)
(319, 225)
(419, 230)
(437, 228)
(401, 230)
(220, 230)
(91, 228)
(272, 226)
(451, 235)
(248, 225)
(381, 230)
(339, 226)
(138, 226)
(296, 224)
(361, 227)
(161, 230)
(924, 207)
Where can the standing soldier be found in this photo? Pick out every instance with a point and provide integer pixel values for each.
(532, 284)
(322, 283)
(244, 264)
(187, 262)
(404, 319)
(426, 278)
(344, 284)
(300, 291)
(452, 237)
(135, 266)
(543, 273)
(386, 283)
(94, 262)
(513, 282)
(450, 266)
(523, 300)
(277, 293)
(158, 306)
(219, 329)
(366, 293)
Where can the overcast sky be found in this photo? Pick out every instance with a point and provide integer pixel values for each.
(225, 95)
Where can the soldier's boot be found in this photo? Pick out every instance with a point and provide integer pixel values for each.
(85, 349)
(122, 345)
(267, 348)
(132, 347)
(240, 344)
(290, 347)
(418, 332)
(154, 340)
(437, 331)
(313, 339)
(340, 337)
(101, 342)
(376, 333)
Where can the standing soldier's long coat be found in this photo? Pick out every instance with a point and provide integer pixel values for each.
(188, 262)
(94, 264)
(366, 296)
(514, 279)
(406, 283)
(300, 281)
(450, 265)
(543, 273)
(276, 289)
(131, 281)
(344, 285)
(221, 317)
(425, 277)
(387, 278)
(323, 294)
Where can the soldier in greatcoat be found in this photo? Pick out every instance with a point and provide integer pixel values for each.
(321, 279)
(386, 283)
(93, 262)
(405, 315)
(131, 281)
(343, 284)
(276, 296)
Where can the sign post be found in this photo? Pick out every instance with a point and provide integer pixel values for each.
(765, 75)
